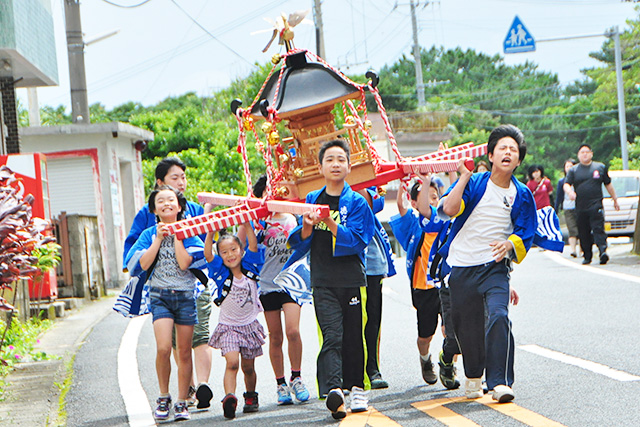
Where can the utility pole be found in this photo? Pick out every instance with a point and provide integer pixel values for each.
(622, 118)
(34, 108)
(317, 17)
(3, 142)
(417, 56)
(77, 75)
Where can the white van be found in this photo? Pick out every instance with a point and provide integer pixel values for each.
(627, 186)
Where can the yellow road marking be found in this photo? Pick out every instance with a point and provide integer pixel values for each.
(370, 418)
(523, 415)
(435, 409)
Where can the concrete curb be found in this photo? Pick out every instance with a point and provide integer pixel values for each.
(33, 393)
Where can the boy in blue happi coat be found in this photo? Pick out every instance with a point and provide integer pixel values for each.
(379, 263)
(495, 224)
(420, 233)
(337, 259)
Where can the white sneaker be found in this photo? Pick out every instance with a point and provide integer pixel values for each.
(473, 388)
(335, 403)
(359, 399)
(502, 393)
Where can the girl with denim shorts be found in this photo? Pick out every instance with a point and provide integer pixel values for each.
(239, 334)
(168, 261)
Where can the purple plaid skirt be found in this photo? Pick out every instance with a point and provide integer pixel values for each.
(247, 339)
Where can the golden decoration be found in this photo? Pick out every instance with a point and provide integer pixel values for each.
(274, 138)
(276, 58)
(287, 34)
(368, 124)
(282, 192)
(299, 173)
(259, 146)
(382, 191)
(266, 127)
(248, 123)
(350, 120)
(284, 158)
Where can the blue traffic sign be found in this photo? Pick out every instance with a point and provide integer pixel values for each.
(519, 39)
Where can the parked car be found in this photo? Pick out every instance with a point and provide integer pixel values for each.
(627, 186)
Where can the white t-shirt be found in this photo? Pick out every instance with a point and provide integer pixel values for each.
(274, 239)
(489, 221)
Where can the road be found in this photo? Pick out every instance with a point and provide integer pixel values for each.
(577, 361)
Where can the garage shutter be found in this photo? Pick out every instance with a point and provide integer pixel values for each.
(71, 186)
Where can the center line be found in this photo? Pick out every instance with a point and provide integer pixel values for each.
(581, 363)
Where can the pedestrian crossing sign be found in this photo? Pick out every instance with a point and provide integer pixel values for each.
(518, 38)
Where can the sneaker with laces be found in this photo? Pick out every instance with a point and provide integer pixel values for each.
(181, 412)
(284, 395)
(204, 394)
(191, 397)
(163, 408)
(229, 404)
(335, 403)
(448, 374)
(250, 401)
(428, 375)
(473, 388)
(604, 258)
(359, 399)
(502, 393)
(299, 389)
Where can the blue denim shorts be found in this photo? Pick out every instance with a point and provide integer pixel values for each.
(177, 305)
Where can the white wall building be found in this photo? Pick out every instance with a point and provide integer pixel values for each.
(94, 169)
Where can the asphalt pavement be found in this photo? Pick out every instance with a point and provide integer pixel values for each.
(34, 387)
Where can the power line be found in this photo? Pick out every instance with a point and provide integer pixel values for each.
(210, 34)
(549, 131)
(159, 59)
(551, 116)
(364, 40)
(166, 64)
(126, 7)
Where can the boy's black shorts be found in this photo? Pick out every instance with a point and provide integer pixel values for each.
(275, 300)
(427, 304)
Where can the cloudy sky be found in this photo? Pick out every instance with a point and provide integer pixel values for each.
(162, 48)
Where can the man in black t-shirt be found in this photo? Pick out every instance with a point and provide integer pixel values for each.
(587, 178)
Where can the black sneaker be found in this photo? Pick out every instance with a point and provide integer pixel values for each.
(427, 371)
(604, 258)
(229, 404)
(204, 396)
(250, 402)
(448, 374)
(586, 261)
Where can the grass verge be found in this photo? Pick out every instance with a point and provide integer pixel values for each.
(18, 346)
(64, 388)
